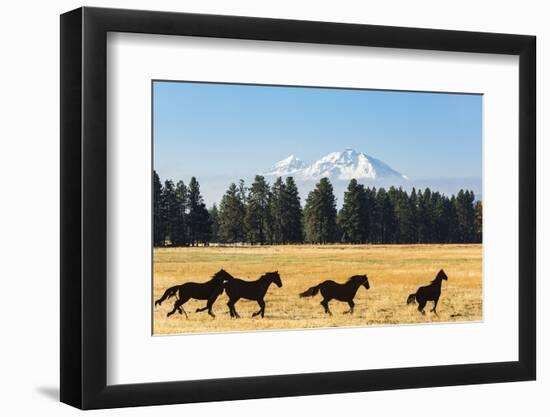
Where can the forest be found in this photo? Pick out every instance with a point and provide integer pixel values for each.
(264, 213)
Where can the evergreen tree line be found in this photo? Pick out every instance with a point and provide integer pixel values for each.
(273, 214)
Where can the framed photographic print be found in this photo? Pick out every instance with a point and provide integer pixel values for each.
(302, 207)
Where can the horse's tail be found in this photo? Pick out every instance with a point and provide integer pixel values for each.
(411, 298)
(310, 292)
(170, 292)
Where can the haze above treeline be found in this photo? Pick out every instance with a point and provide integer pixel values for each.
(339, 167)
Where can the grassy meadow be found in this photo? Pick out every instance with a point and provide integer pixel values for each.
(394, 272)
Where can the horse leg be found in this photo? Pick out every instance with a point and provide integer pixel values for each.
(184, 312)
(232, 309)
(178, 306)
(261, 303)
(324, 303)
(198, 310)
(235, 311)
(351, 305)
(435, 306)
(180, 303)
(421, 305)
(209, 307)
(173, 310)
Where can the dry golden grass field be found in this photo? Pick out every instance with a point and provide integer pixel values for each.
(394, 272)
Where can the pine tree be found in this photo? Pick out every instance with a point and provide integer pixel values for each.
(179, 221)
(465, 216)
(452, 220)
(231, 216)
(478, 222)
(294, 216)
(215, 223)
(257, 211)
(170, 209)
(386, 213)
(405, 217)
(413, 203)
(277, 212)
(197, 214)
(204, 229)
(286, 217)
(159, 221)
(440, 220)
(320, 214)
(353, 217)
(242, 192)
(372, 216)
(425, 216)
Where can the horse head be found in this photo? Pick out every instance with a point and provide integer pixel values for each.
(223, 275)
(361, 280)
(274, 277)
(366, 282)
(441, 275)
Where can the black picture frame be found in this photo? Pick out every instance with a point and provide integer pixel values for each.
(84, 207)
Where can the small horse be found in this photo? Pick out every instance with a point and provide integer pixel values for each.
(251, 290)
(428, 293)
(341, 292)
(209, 290)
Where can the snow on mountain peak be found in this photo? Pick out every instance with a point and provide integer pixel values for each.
(287, 166)
(337, 165)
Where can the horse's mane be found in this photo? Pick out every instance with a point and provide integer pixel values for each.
(218, 273)
(354, 278)
(268, 274)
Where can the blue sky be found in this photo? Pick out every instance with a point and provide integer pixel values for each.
(229, 130)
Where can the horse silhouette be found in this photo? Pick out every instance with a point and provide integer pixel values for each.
(430, 292)
(250, 290)
(342, 292)
(209, 290)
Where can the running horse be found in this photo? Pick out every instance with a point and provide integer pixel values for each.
(209, 291)
(342, 292)
(250, 290)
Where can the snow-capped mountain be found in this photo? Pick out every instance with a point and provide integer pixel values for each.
(337, 166)
(287, 166)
